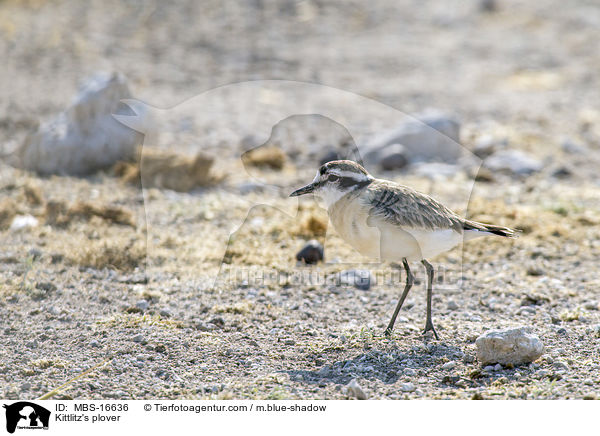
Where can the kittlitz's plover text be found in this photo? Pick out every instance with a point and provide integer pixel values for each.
(391, 222)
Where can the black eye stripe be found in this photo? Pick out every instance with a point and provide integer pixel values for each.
(332, 178)
(346, 182)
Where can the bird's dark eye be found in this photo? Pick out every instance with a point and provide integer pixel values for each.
(332, 178)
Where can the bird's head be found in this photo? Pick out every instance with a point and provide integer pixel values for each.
(335, 179)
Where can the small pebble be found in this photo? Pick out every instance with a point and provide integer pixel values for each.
(452, 305)
(409, 372)
(53, 310)
(407, 387)
(360, 279)
(329, 156)
(591, 305)
(46, 286)
(94, 343)
(21, 222)
(449, 365)
(206, 326)
(488, 6)
(468, 358)
(311, 253)
(353, 389)
(142, 305)
(35, 253)
(560, 365)
(31, 344)
(165, 313)
(138, 338)
(562, 172)
(393, 157)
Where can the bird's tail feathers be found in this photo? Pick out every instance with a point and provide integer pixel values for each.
(489, 228)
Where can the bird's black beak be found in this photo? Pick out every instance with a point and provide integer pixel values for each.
(304, 190)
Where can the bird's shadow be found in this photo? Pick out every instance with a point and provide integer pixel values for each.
(387, 365)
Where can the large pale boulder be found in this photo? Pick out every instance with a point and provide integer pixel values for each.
(85, 137)
(435, 138)
(508, 347)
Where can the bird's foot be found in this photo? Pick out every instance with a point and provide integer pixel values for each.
(429, 327)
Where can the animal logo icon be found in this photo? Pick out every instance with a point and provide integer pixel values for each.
(26, 415)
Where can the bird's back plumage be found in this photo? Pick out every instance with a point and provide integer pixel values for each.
(405, 207)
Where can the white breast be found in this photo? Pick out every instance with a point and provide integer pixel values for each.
(385, 241)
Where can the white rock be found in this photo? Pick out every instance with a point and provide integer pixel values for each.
(353, 389)
(20, 222)
(513, 161)
(85, 137)
(436, 170)
(434, 138)
(512, 346)
(449, 365)
(407, 387)
(487, 145)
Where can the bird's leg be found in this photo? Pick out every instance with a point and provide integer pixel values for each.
(429, 322)
(409, 282)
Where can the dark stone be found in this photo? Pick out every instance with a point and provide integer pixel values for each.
(218, 321)
(360, 279)
(393, 157)
(562, 173)
(311, 253)
(46, 286)
(329, 156)
(56, 258)
(488, 6)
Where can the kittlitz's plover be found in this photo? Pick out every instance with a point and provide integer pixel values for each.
(391, 222)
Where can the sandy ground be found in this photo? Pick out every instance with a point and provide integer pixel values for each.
(199, 295)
